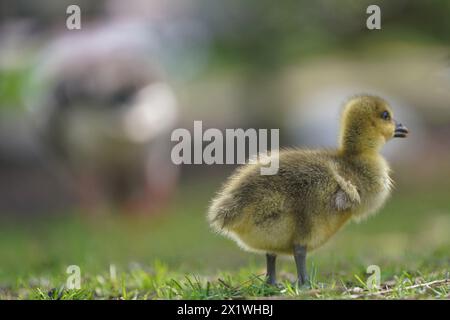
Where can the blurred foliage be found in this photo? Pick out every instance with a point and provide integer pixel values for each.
(262, 34)
(11, 87)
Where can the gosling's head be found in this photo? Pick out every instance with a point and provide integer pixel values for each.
(367, 124)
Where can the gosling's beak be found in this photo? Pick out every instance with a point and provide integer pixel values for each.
(400, 130)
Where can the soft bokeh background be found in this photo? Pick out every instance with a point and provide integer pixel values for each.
(86, 117)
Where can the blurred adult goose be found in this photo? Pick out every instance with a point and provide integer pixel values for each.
(105, 114)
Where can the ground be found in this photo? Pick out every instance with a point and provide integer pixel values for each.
(176, 256)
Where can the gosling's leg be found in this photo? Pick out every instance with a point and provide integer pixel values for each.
(271, 273)
(300, 261)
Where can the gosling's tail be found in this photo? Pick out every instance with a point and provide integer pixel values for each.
(222, 213)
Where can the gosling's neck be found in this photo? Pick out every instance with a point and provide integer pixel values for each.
(355, 144)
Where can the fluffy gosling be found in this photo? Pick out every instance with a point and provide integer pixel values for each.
(314, 193)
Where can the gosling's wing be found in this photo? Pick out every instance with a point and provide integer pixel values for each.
(347, 195)
(342, 201)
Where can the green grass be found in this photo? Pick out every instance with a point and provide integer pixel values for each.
(176, 256)
(158, 282)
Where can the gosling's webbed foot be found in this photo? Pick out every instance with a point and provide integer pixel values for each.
(303, 284)
(271, 270)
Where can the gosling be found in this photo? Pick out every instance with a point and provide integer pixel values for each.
(314, 193)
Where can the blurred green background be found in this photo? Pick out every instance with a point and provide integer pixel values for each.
(83, 180)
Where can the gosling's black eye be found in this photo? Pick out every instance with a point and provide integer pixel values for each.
(385, 115)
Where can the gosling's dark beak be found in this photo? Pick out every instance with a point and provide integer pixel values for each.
(400, 130)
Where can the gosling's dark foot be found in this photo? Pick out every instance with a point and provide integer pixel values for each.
(303, 283)
(271, 271)
(300, 262)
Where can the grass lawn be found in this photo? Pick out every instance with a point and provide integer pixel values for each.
(175, 255)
